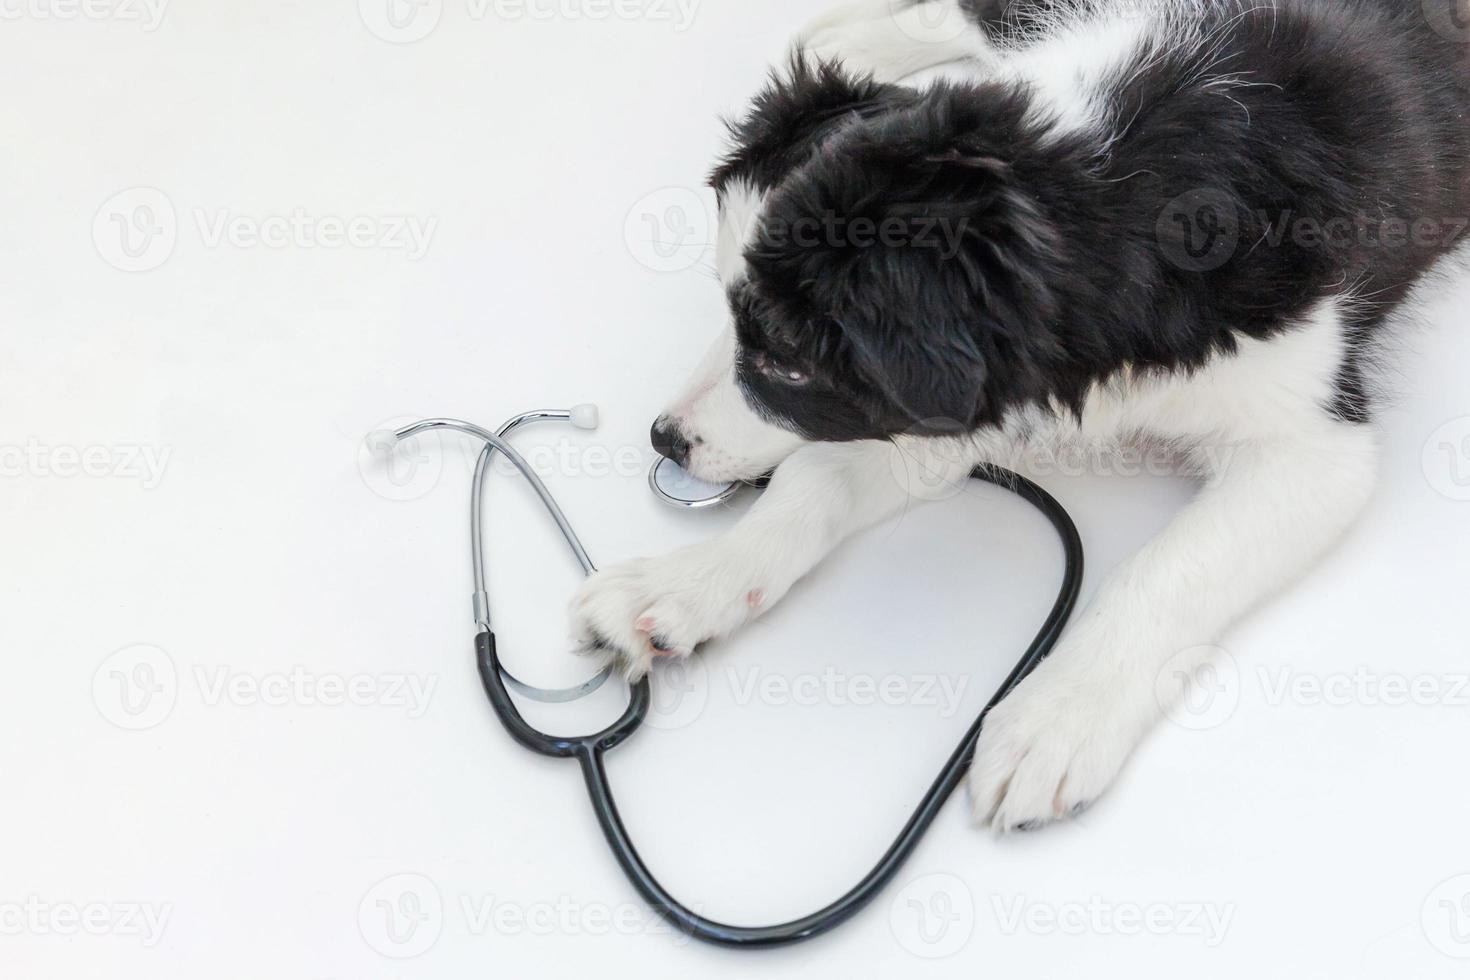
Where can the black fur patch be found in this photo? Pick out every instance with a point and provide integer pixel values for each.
(795, 110)
(1024, 266)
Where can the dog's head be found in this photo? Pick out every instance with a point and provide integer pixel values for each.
(885, 269)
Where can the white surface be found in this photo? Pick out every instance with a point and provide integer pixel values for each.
(266, 827)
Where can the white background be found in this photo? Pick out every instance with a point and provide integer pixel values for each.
(154, 761)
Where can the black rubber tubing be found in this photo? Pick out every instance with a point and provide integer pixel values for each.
(588, 751)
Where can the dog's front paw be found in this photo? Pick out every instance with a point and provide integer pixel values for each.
(664, 606)
(1053, 745)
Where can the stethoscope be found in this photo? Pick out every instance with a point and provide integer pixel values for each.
(671, 485)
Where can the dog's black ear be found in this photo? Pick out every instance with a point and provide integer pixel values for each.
(918, 236)
(798, 107)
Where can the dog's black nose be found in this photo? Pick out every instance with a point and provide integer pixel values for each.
(669, 441)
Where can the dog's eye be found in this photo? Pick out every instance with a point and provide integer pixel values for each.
(790, 375)
(773, 368)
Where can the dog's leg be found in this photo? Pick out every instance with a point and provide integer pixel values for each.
(820, 495)
(892, 39)
(1056, 742)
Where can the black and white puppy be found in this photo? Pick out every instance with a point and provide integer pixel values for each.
(1180, 220)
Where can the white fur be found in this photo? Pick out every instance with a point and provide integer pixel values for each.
(728, 441)
(1284, 480)
(1064, 61)
(1065, 70)
(710, 410)
(893, 39)
(820, 495)
(740, 212)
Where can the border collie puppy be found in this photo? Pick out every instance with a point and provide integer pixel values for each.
(1187, 221)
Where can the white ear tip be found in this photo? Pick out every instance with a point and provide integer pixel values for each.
(380, 442)
(584, 416)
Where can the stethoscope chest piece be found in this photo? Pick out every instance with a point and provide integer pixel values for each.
(674, 485)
